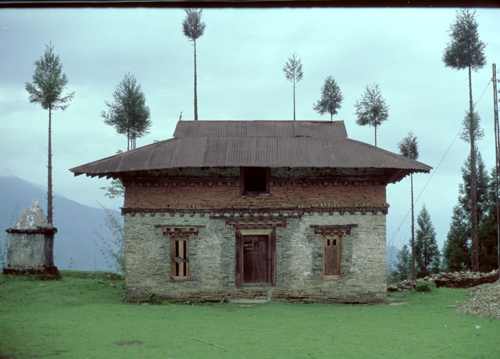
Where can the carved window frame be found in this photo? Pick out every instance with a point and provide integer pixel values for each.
(332, 233)
(179, 238)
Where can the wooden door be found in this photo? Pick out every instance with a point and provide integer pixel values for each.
(256, 259)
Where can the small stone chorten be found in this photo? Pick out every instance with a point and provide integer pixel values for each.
(30, 245)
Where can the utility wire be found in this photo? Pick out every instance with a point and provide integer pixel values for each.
(439, 164)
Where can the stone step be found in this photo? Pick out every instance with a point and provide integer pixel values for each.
(249, 301)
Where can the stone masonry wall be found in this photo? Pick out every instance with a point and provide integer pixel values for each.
(298, 268)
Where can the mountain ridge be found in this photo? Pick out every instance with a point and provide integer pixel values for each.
(75, 241)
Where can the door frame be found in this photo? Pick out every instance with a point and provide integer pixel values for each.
(270, 255)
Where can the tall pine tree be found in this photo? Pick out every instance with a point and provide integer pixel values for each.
(293, 73)
(371, 109)
(331, 98)
(466, 51)
(408, 147)
(457, 247)
(426, 250)
(128, 114)
(47, 90)
(193, 28)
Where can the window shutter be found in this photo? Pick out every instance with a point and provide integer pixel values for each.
(239, 259)
(331, 259)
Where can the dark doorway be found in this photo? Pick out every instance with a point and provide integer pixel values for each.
(255, 266)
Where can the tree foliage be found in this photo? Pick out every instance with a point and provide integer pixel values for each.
(293, 73)
(426, 248)
(465, 134)
(116, 189)
(193, 28)
(464, 49)
(402, 270)
(47, 90)
(371, 109)
(464, 188)
(49, 82)
(331, 98)
(457, 246)
(112, 249)
(408, 147)
(128, 114)
(488, 240)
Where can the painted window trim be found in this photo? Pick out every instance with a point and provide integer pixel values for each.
(179, 233)
(333, 230)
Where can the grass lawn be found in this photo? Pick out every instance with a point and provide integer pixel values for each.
(84, 316)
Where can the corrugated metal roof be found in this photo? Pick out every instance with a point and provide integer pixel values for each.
(259, 129)
(253, 144)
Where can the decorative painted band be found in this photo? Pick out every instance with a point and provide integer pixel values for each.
(222, 213)
(339, 228)
(231, 182)
(176, 231)
(267, 222)
(37, 230)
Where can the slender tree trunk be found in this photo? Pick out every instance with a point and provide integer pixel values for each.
(294, 101)
(375, 135)
(195, 92)
(497, 159)
(49, 185)
(473, 185)
(412, 233)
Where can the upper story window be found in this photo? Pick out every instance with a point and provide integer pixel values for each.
(254, 180)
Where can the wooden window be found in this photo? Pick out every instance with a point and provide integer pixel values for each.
(255, 257)
(332, 252)
(254, 180)
(332, 247)
(179, 248)
(179, 257)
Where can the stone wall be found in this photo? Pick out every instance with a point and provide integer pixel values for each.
(298, 265)
(30, 249)
(30, 245)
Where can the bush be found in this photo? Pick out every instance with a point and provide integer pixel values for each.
(425, 286)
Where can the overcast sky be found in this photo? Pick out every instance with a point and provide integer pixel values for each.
(240, 59)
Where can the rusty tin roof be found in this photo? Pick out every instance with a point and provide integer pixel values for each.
(253, 144)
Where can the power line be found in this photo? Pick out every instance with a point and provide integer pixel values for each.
(439, 164)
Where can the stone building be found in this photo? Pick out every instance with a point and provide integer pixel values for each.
(287, 210)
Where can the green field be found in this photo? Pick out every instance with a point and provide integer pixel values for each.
(84, 316)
